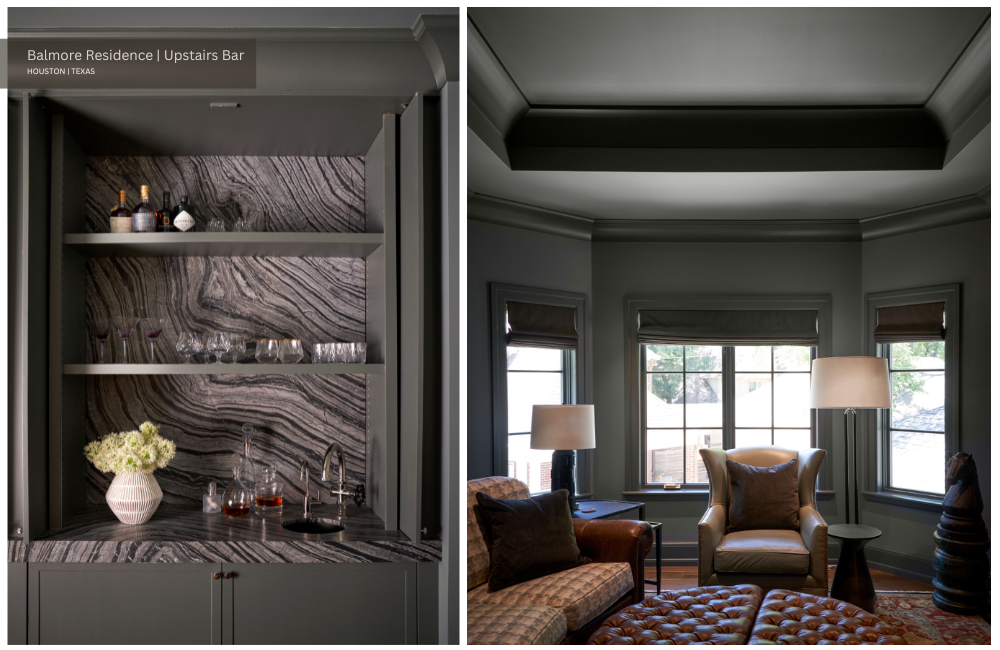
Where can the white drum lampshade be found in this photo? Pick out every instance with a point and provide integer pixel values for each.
(850, 383)
(563, 426)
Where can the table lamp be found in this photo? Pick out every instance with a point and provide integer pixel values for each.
(850, 383)
(563, 428)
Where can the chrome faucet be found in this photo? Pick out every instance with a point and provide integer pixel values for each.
(304, 473)
(337, 489)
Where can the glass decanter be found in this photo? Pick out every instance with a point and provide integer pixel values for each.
(250, 476)
(238, 498)
(269, 492)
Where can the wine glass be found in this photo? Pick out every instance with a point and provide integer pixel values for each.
(218, 344)
(124, 325)
(152, 327)
(237, 346)
(101, 329)
(188, 343)
(216, 224)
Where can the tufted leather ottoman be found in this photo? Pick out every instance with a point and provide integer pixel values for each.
(705, 615)
(791, 618)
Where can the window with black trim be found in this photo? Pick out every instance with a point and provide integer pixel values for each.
(538, 349)
(917, 331)
(723, 397)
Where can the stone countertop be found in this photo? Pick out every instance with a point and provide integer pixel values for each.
(184, 535)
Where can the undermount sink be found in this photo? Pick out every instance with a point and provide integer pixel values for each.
(312, 526)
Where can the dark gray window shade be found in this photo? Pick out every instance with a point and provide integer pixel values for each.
(729, 327)
(905, 323)
(541, 326)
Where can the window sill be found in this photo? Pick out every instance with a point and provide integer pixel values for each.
(931, 504)
(694, 494)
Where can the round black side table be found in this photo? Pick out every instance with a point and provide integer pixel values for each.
(853, 581)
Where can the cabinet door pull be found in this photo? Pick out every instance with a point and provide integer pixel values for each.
(216, 576)
(228, 576)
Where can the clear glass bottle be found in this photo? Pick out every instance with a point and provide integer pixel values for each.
(250, 475)
(238, 499)
(211, 502)
(269, 494)
(121, 216)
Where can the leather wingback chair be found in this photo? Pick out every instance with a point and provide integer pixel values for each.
(772, 559)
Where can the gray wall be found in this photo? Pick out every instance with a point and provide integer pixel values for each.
(510, 256)
(700, 269)
(942, 256)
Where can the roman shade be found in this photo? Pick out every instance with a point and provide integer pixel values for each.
(907, 323)
(729, 327)
(541, 326)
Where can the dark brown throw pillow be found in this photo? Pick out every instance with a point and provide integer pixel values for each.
(529, 538)
(763, 497)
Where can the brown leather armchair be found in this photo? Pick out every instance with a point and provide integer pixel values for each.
(772, 559)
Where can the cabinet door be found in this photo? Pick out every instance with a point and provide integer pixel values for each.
(124, 603)
(320, 603)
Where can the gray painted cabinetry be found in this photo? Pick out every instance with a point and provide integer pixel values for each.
(83, 603)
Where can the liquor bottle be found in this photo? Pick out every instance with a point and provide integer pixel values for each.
(143, 214)
(164, 220)
(121, 216)
(184, 216)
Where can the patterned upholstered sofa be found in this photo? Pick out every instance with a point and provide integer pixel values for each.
(568, 605)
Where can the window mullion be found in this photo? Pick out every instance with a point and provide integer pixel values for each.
(728, 397)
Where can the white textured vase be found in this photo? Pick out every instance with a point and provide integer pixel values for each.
(134, 497)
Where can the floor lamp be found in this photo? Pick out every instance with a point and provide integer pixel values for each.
(563, 428)
(850, 383)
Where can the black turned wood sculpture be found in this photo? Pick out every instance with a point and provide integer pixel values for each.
(962, 585)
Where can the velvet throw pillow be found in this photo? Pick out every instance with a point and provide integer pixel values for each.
(763, 497)
(528, 538)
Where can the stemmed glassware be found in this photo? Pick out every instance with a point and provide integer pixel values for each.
(216, 224)
(124, 325)
(152, 327)
(217, 344)
(237, 346)
(101, 329)
(188, 343)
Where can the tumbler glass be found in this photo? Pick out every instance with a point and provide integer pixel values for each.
(267, 350)
(317, 353)
(359, 352)
(269, 494)
(290, 350)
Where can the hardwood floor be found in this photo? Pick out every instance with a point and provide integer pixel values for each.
(685, 577)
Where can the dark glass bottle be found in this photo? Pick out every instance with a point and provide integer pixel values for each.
(121, 216)
(184, 216)
(144, 214)
(164, 218)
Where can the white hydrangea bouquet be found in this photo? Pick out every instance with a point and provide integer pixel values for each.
(134, 494)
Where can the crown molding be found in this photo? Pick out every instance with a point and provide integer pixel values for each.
(952, 212)
(512, 214)
(727, 231)
(437, 35)
(500, 212)
(255, 33)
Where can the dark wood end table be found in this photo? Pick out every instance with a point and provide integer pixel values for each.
(852, 581)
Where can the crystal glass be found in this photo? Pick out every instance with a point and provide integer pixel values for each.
(152, 327)
(238, 498)
(101, 329)
(242, 224)
(217, 344)
(250, 476)
(216, 224)
(237, 347)
(317, 353)
(359, 352)
(329, 353)
(124, 325)
(341, 352)
(267, 350)
(269, 492)
(188, 343)
(290, 350)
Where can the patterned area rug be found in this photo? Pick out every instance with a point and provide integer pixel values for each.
(921, 623)
(924, 624)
